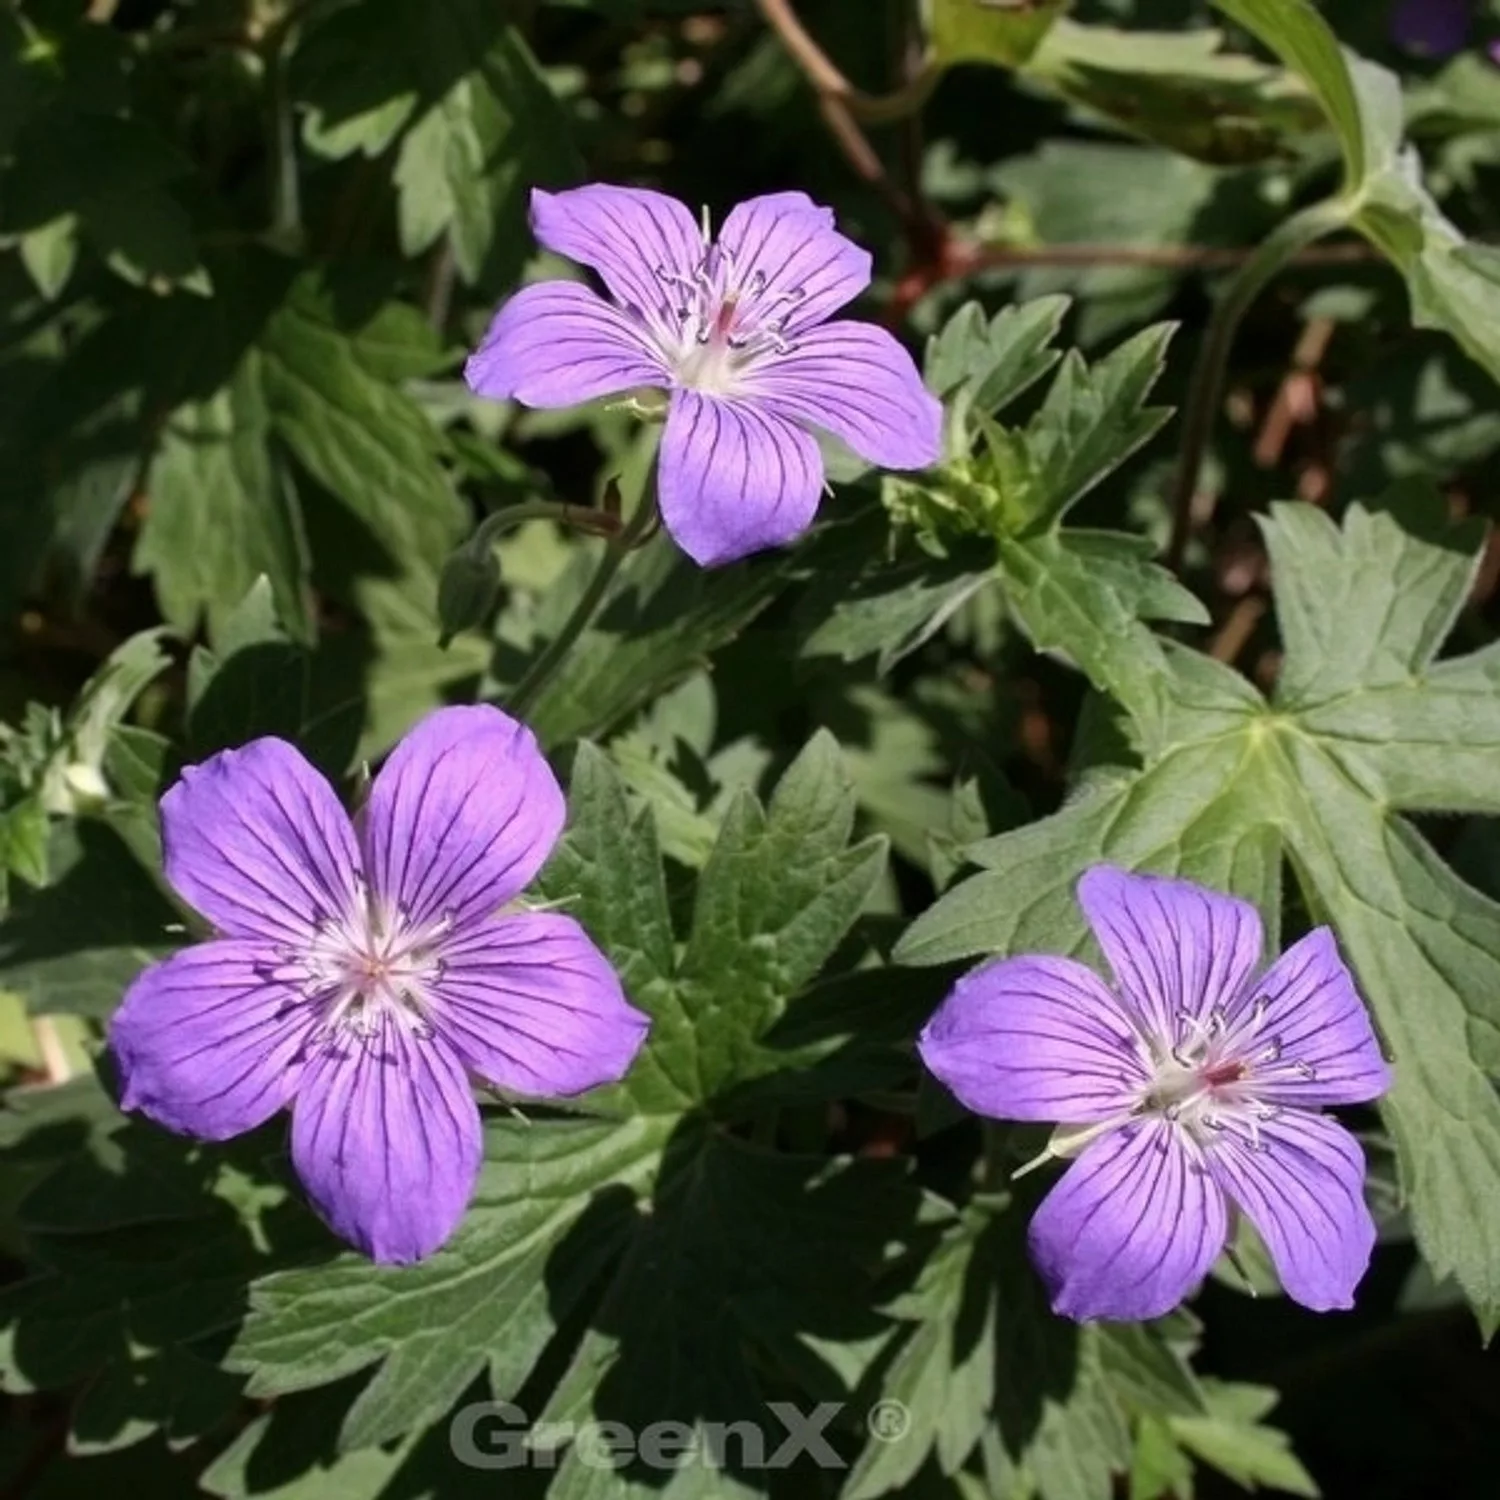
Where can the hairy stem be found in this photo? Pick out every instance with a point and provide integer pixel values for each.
(536, 677)
(1206, 389)
(825, 76)
(843, 107)
(586, 518)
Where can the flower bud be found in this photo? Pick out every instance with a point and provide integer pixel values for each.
(467, 588)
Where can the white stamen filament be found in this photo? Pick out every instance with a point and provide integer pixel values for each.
(713, 325)
(368, 966)
(1207, 1080)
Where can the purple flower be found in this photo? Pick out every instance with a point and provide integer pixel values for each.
(736, 328)
(1436, 28)
(1196, 1087)
(362, 973)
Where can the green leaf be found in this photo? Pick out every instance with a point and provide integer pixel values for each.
(176, 1393)
(112, 692)
(72, 773)
(254, 681)
(1078, 192)
(1367, 604)
(777, 896)
(284, 1454)
(686, 826)
(131, 1174)
(104, 1298)
(1059, 1421)
(784, 1251)
(1123, 561)
(779, 892)
(73, 945)
(1298, 35)
(24, 833)
(1176, 88)
(557, 1201)
(1023, 481)
(981, 31)
(469, 164)
(221, 514)
(1147, 1373)
(1452, 284)
(992, 361)
(1079, 593)
(112, 175)
(1093, 419)
(1364, 724)
(978, 1352)
(662, 618)
(1016, 490)
(49, 254)
(889, 610)
(554, 1204)
(1069, 607)
(1159, 1469)
(871, 591)
(461, 96)
(608, 867)
(362, 439)
(942, 1369)
(1234, 1441)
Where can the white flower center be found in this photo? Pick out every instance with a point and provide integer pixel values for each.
(1212, 1071)
(716, 323)
(368, 965)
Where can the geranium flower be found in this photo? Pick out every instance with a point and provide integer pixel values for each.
(1194, 1086)
(361, 974)
(1436, 28)
(736, 328)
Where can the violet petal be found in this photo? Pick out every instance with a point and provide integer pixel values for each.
(855, 381)
(461, 816)
(1301, 1182)
(1436, 28)
(1176, 949)
(531, 1005)
(803, 270)
(1132, 1228)
(256, 841)
(386, 1139)
(1035, 1039)
(559, 344)
(734, 479)
(641, 243)
(1327, 1049)
(207, 1043)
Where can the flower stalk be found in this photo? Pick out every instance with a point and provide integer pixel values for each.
(1206, 388)
(636, 532)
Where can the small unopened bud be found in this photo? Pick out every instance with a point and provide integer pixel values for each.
(467, 588)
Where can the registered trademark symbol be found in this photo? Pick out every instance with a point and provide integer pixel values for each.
(889, 1420)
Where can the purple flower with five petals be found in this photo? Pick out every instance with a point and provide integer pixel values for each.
(736, 328)
(1436, 28)
(362, 971)
(1193, 1088)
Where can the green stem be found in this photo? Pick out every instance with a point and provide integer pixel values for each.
(995, 1177)
(529, 688)
(1207, 387)
(580, 517)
